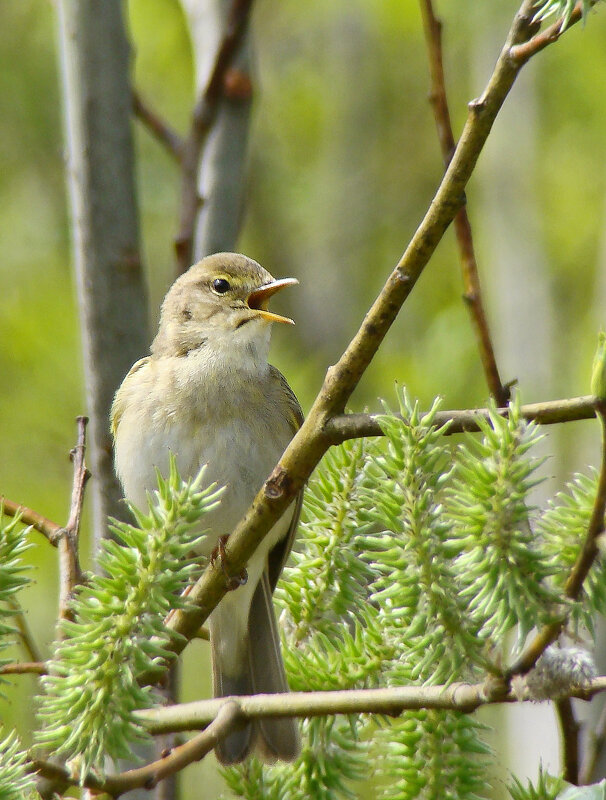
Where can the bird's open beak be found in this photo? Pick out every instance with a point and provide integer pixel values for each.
(259, 299)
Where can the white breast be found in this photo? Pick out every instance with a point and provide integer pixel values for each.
(193, 412)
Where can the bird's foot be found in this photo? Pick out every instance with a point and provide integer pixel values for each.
(232, 581)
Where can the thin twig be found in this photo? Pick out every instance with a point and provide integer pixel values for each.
(580, 570)
(353, 426)
(522, 52)
(569, 729)
(392, 701)
(471, 280)
(150, 775)
(45, 526)
(173, 143)
(70, 574)
(593, 749)
(202, 119)
(25, 635)
(24, 668)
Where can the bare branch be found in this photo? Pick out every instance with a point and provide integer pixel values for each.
(173, 143)
(473, 293)
(147, 777)
(25, 635)
(202, 119)
(354, 426)
(70, 574)
(522, 52)
(45, 526)
(97, 99)
(593, 749)
(24, 668)
(463, 697)
(569, 730)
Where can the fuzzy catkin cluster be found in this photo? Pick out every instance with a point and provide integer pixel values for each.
(118, 634)
(415, 561)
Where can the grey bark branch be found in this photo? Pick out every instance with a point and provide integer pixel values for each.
(218, 194)
(100, 173)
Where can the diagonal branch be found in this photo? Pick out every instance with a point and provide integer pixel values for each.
(522, 52)
(28, 516)
(202, 119)
(311, 442)
(147, 777)
(25, 635)
(158, 127)
(473, 293)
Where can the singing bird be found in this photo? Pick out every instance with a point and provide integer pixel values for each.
(208, 395)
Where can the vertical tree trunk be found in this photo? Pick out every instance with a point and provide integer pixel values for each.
(222, 171)
(100, 170)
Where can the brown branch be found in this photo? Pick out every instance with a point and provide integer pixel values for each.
(353, 426)
(202, 119)
(70, 574)
(522, 52)
(218, 717)
(24, 668)
(150, 775)
(432, 27)
(25, 635)
(569, 730)
(392, 701)
(311, 441)
(580, 570)
(593, 749)
(173, 143)
(45, 526)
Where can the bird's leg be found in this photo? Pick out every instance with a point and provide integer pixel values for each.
(232, 581)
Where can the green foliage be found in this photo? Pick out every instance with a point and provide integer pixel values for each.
(432, 754)
(409, 549)
(563, 526)
(371, 599)
(415, 562)
(561, 8)
(13, 544)
(332, 534)
(118, 633)
(546, 788)
(15, 781)
(502, 570)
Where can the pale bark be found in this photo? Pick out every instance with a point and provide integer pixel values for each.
(221, 182)
(97, 101)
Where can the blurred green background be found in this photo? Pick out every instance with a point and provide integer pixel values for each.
(343, 164)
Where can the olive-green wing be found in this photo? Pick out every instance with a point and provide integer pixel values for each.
(121, 397)
(296, 412)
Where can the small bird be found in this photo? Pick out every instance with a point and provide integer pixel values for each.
(208, 395)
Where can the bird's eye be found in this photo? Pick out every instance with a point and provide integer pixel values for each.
(220, 286)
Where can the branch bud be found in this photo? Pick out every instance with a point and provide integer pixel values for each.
(598, 372)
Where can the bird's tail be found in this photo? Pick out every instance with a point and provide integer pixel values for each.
(247, 660)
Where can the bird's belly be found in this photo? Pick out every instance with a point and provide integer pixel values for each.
(235, 458)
